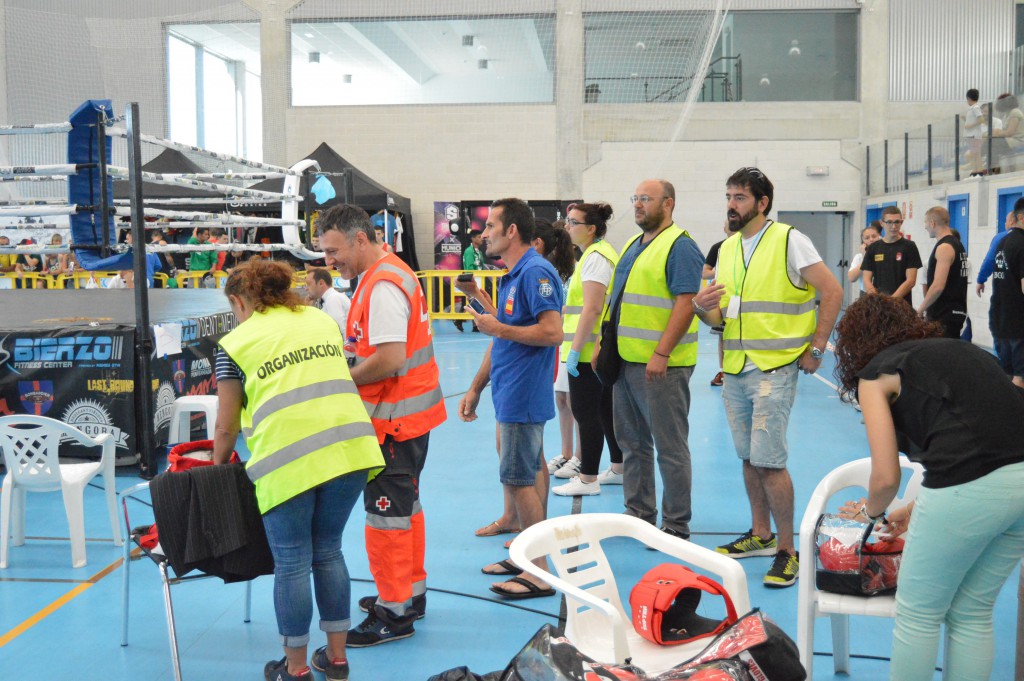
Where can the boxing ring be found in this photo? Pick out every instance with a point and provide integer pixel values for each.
(115, 360)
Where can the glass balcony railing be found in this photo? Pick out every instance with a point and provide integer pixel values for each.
(946, 151)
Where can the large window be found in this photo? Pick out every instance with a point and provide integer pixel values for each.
(645, 57)
(214, 97)
(416, 61)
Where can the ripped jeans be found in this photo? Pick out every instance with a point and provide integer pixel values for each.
(758, 406)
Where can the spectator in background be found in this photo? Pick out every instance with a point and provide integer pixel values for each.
(989, 263)
(56, 264)
(472, 260)
(868, 236)
(382, 238)
(156, 238)
(1010, 137)
(974, 131)
(554, 243)
(1006, 311)
(890, 265)
(27, 263)
(945, 299)
(322, 295)
(201, 261)
(226, 260)
(709, 273)
(585, 309)
(7, 261)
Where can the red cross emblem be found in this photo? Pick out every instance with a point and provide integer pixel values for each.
(383, 503)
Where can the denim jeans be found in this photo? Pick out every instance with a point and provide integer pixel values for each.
(758, 406)
(305, 533)
(963, 542)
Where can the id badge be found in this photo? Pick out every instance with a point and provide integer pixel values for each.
(733, 311)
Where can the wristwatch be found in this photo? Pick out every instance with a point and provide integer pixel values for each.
(816, 353)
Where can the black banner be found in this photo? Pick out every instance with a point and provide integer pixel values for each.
(85, 376)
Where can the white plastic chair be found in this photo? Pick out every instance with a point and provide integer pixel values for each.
(596, 622)
(180, 427)
(30, 446)
(813, 603)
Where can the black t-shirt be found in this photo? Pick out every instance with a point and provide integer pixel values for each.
(888, 264)
(712, 259)
(953, 299)
(957, 413)
(1006, 314)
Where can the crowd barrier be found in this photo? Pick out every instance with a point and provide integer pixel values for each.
(444, 301)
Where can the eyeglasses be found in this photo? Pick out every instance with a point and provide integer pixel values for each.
(573, 222)
(644, 199)
(892, 223)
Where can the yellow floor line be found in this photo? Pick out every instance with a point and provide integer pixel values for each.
(56, 605)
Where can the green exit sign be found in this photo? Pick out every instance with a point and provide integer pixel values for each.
(829, 204)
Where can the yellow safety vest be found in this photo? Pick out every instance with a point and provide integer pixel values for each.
(303, 419)
(647, 305)
(574, 302)
(776, 319)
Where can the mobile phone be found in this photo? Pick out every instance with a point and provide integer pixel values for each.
(465, 277)
(475, 304)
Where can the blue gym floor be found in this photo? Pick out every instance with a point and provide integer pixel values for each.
(65, 623)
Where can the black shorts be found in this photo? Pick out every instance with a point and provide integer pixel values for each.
(952, 324)
(1010, 352)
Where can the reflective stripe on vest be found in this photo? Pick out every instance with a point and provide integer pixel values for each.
(409, 403)
(574, 303)
(303, 420)
(647, 305)
(776, 319)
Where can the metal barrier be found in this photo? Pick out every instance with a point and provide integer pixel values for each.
(442, 296)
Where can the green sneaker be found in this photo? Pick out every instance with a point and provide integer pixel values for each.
(783, 571)
(748, 545)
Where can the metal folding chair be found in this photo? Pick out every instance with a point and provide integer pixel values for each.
(133, 539)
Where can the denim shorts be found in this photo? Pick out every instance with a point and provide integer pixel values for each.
(520, 453)
(1010, 352)
(758, 405)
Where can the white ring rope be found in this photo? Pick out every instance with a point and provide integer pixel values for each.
(37, 129)
(36, 211)
(205, 218)
(193, 248)
(121, 132)
(33, 178)
(61, 169)
(23, 227)
(199, 200)
(160, 178)
(35, 202)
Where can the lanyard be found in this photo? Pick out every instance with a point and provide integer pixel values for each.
(746, 261)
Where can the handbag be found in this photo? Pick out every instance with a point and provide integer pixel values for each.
(849, 564)
(609, 362)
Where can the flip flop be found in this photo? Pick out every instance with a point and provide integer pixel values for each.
(507, 568)
(508, 544)
(493, 530)
(534, 591)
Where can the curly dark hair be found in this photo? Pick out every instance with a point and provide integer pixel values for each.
(264, 283)
(870, 325)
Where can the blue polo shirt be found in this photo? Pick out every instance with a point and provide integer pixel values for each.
(523, 376)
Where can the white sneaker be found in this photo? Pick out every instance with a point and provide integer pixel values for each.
(555, 463)
(569, 469)
(609, 477)
(577, 488)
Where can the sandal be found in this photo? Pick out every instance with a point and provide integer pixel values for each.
(533, 591)
(493, 530)
(507, 567)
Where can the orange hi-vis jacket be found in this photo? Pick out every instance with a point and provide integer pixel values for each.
(410, 403)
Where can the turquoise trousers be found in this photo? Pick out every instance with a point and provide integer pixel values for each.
(963, 543)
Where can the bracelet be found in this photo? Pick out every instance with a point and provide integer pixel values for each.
(698, 308)
(880, 518)
(661, 354)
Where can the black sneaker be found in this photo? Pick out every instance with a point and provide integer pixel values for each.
(335, 671)
(277, 670)
(419, 605)
(673, 533)
(380, 627)
(458, 324)
(748, 545)
(784, 570)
